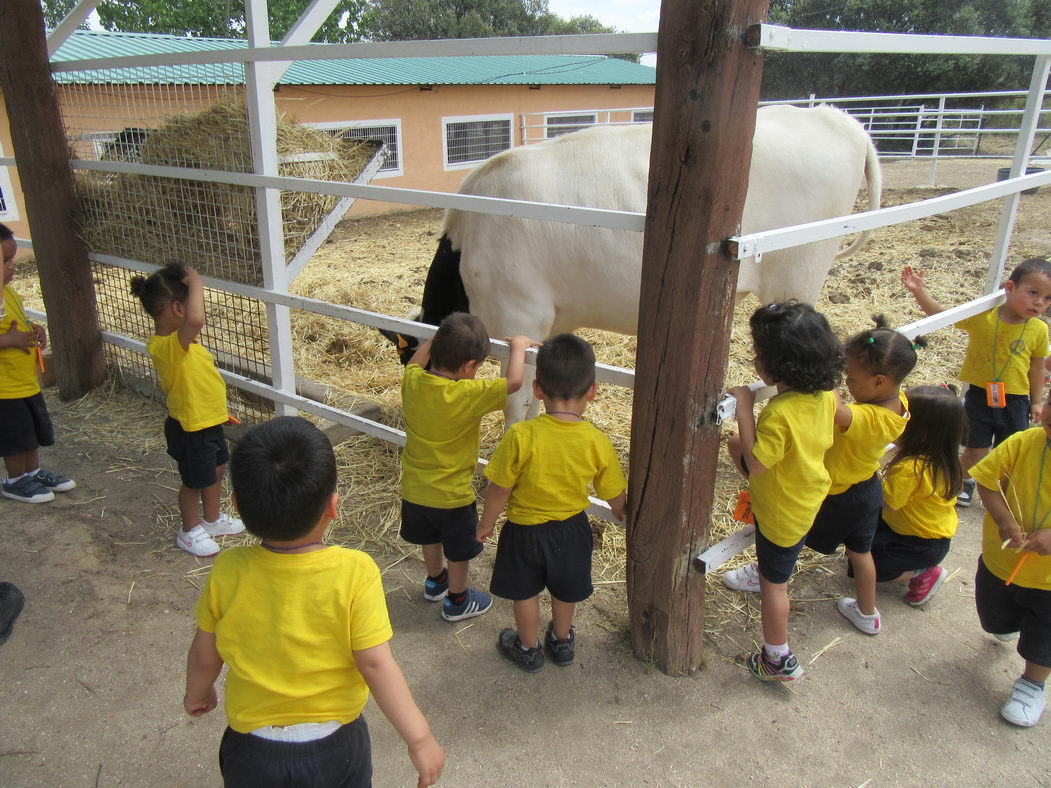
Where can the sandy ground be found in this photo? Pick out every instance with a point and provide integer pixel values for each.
(93, 674)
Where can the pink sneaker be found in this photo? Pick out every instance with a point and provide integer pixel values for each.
(925, 585)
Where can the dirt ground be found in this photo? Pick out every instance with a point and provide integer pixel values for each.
(93, 674)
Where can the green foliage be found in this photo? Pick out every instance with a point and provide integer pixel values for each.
(790, 75)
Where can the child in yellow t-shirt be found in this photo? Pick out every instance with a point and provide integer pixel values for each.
(303, 628)
(1005, 354)
(541, 471)
(443, 406)
(25, 425)
(783, 456)
(174, 298)
(919, 495)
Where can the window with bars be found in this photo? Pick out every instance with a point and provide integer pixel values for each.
(387, 131)
(469, 140)
(557, 125)
(642, 116)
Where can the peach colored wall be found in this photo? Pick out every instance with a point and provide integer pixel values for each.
(19, 226)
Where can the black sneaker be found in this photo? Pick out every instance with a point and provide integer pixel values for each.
(55, 482)
(11, 602)
(28, 490)
(510, 645)
(966, 496)
(562, 651)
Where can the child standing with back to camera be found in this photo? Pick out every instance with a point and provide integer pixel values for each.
(174, 298)
(782, 455)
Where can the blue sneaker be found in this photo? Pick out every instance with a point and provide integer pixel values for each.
(476, 603)
(434, 591)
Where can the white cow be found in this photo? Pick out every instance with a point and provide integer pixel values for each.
(523, 276)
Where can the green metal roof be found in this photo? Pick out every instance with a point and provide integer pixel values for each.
(476, 70)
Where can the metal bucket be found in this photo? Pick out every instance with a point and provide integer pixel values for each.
(1004, 173)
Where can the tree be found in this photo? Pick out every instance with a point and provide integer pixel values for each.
(212, 18)
(791, 75)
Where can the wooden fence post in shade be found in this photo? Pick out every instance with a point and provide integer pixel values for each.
(704, 118)
(39, 142)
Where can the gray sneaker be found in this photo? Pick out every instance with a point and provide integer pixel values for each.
(529, 660)
(562, 651)
(28, 490)
(55, 482)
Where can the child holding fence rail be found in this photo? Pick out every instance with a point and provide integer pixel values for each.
(174, 298)
(1004, 361)
(443, 406)
(782, 455)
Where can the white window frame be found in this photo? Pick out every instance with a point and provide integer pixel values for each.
(9, 211)
(339, 125)
(446, 120)
(567, 128)
(635, 115)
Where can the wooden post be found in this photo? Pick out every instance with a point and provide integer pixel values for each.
(39, 142)
(704, 119)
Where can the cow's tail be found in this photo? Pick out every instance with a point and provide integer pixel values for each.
(874, 186)
(443, 294)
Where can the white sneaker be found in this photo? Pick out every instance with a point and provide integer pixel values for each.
(224, 526)
(196, 542)
(1025, 705)
(848, 608)
(746, 578)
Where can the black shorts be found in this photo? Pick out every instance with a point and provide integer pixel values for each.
(775, 562)
(455, 528)
(24, 425)
(1003, 609)
(343, 758)
(555, 555)
(894, 553)
(990, 426)
(198, 453)
(848, 518)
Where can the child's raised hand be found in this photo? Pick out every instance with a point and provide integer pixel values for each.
(1039, 542)
(429, 759)
(197, 707)
(744, 395)
(522, 341)
(913, 280)
(190, 277)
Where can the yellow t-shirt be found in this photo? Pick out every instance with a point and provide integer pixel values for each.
(18, 369)
(1014, 465)
(911, 504)
(549, 463)
(196, 392)
(1016, 345)
(287, 625)
(442, 418)
(856, 452)
(792, 435)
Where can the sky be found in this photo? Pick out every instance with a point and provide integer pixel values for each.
(629, 16)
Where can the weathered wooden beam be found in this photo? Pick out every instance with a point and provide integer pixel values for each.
(39, 141)
(704, 118)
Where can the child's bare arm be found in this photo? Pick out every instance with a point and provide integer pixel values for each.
(392, 694)
(203, 664)
(844, 415)
(994, 503)
(619, 505)
(1036, 388)
(516, 361)
(496, 498)
(915, 282)
(746, 427)
(194, 306)
(423, 353)
(14, 337)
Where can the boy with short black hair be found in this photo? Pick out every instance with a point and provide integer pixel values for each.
(1004, 360)
(303, 627)
(541, 471)
(443, 406)
(25, 425)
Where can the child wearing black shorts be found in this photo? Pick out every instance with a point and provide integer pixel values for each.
(443, 406)
(25, 425)
(541, 471)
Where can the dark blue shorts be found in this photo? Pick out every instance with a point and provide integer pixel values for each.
(198, 453)
(775, 562)
(1003, 609)
(991, 426)
(555, 555)
(343, 758)
(456, 528)
(24, 425)
(894, 553)
(848, 518)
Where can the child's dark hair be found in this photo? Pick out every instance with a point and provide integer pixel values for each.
(5, 232)
(160, 288)
(565, 367)
(936, 427)
(883, 351)
(796, 347)
(460, 338)
(283, 473)
(1034, 265)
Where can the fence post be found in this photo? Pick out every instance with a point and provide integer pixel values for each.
(1026, 132)
(937, 139)
(704, 121)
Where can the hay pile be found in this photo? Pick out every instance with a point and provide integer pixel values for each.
(211, 225)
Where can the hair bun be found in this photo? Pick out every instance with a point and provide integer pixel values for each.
(919, 342)
(880, 321)
(138, 286)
